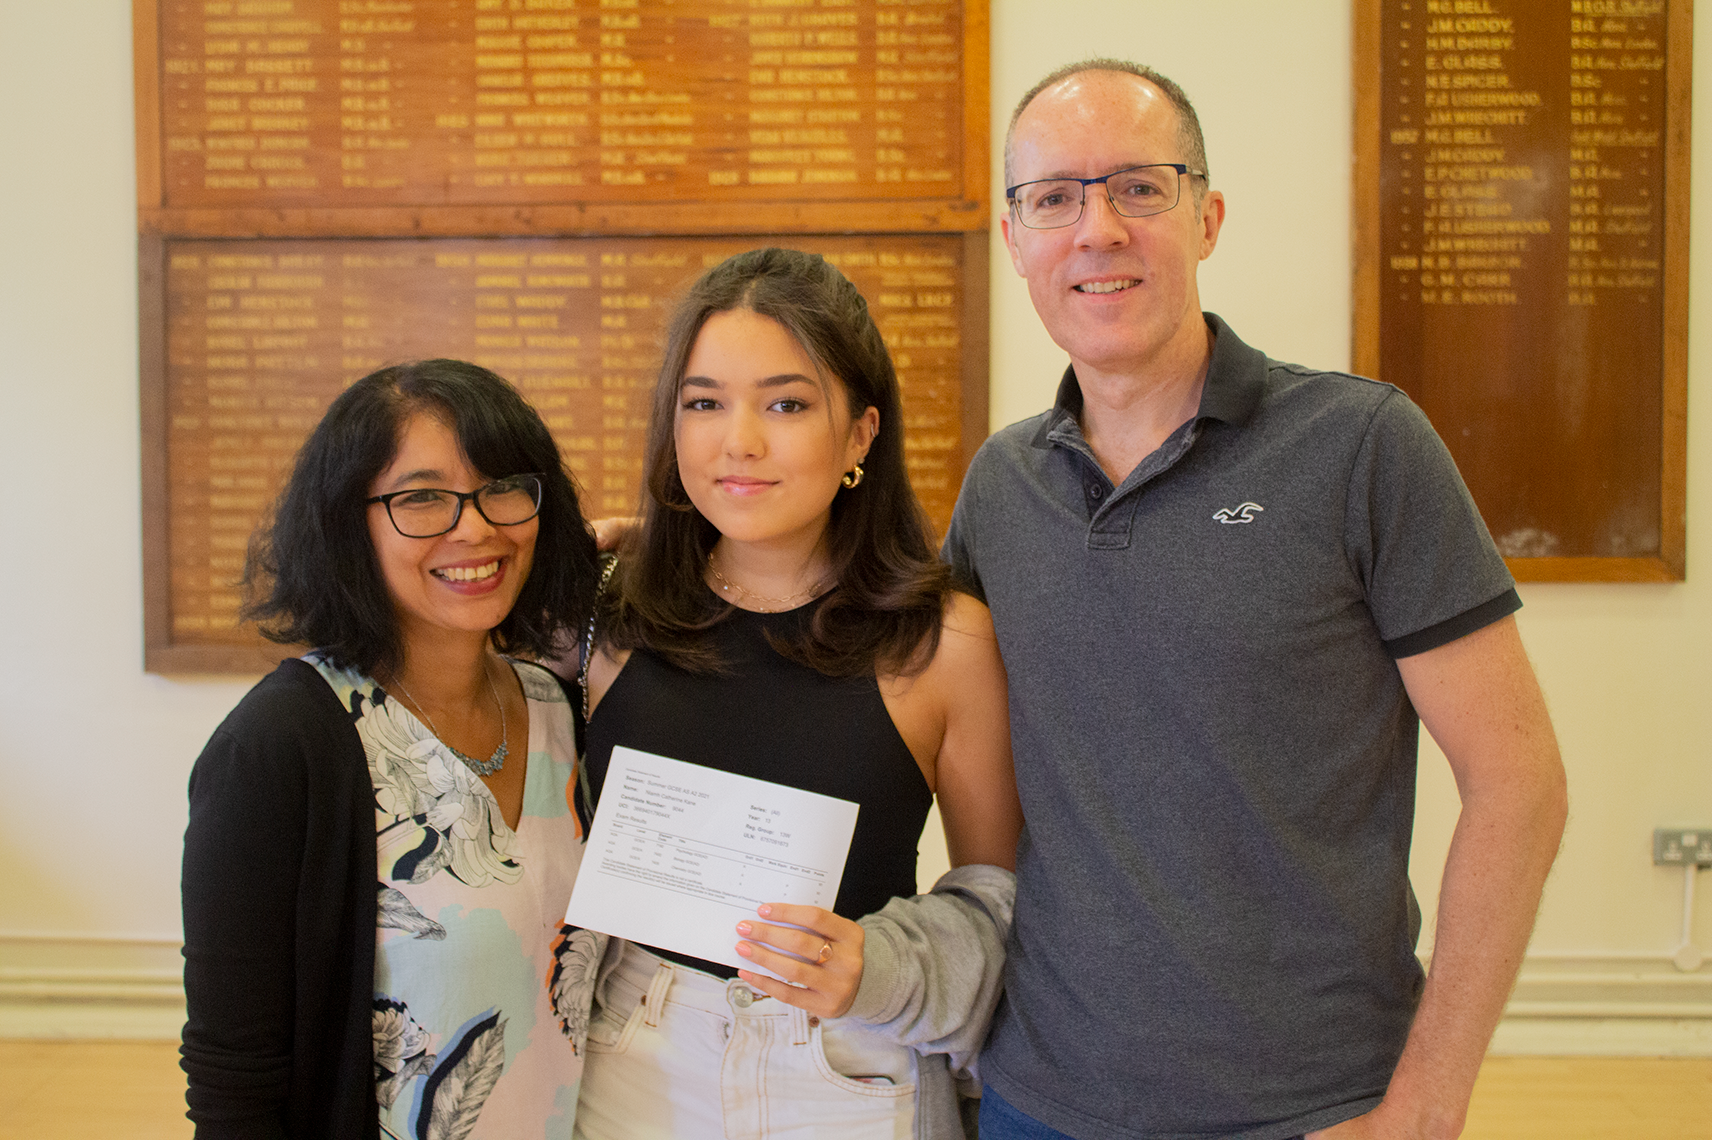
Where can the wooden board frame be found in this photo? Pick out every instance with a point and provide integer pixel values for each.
(965, 209)
(1671, 562)
(163, 653)
(160, 653)
(962, 209)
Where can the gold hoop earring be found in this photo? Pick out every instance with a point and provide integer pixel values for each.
(852, 478)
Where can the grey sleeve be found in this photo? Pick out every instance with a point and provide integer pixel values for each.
(1430, 568)
(933, 964)
(958, 548)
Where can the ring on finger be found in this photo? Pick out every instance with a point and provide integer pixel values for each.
(824, 955)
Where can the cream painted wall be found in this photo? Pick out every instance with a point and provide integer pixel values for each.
(94, 753)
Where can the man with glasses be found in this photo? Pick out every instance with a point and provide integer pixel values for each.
(1224, 588)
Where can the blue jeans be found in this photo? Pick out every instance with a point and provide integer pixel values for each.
(1001, 1120)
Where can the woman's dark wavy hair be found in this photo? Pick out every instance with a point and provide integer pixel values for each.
(311, 577)
(885, 608)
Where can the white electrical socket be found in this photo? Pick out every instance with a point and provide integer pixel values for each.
(1679, 846)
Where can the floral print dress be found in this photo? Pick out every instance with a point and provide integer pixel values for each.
(481, 993)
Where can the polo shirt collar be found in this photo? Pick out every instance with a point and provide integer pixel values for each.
(1236, 376)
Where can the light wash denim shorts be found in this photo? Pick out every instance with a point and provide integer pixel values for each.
(678, 1054)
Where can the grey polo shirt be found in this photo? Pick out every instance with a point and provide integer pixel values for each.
(1214, 927)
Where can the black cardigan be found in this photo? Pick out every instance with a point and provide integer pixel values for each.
(279, 893)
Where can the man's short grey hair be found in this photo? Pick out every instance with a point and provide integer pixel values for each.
(1188, 125)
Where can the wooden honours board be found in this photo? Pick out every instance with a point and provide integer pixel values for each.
(327, 186)
(261, 335)
(665, 115)
(1522, 223)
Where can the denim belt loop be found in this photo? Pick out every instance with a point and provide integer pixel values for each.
(655, 999)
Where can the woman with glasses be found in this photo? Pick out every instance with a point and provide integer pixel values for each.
(780, 614)
(383, 834)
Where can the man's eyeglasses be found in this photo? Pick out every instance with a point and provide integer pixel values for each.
(1140, 191)
(425, 512)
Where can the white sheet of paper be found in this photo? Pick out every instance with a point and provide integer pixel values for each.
(679, 853)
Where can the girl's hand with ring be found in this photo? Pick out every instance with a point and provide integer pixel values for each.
(823, 959)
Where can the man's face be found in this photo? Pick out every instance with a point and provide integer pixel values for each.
(1092, 124)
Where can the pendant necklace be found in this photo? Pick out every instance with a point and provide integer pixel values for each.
(486, 767)
(789, 601)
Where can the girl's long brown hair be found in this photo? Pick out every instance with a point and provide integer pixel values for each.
(884, 610)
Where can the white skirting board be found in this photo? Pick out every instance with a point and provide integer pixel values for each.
(74, 986)
(1619, 1006)
(54, 985)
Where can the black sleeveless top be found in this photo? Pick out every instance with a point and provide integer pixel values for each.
(772, 719)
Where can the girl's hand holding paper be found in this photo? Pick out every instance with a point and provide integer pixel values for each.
(816, 952)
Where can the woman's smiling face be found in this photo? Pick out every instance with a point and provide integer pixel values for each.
(466, 579)
(761, 440)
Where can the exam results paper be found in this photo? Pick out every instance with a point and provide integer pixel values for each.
(679, 853)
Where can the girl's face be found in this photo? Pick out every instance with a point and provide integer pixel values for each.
(466, 579)
(761, 442)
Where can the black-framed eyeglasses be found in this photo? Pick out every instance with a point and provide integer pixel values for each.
(426, 512)
(1137, 192)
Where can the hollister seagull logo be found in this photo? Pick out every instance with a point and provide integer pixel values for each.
(1242, 514)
